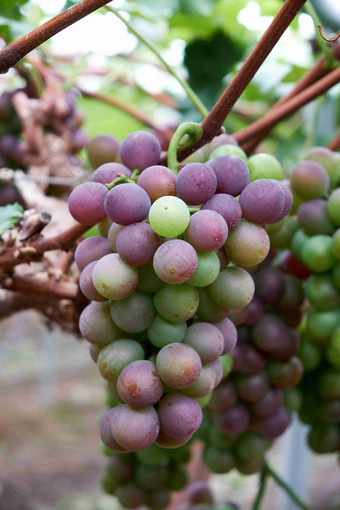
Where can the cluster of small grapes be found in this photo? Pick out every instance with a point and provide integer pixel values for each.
(161, 285)
(251, 407)
(316, 244)
(148, 477)
(200, 497)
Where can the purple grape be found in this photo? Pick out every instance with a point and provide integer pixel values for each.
(139, 384)
(134, 429)
(269, 404)
(130, 495)
(140, 150)
(196, 183)
(90, 249)
(86, 283)
(109, 172)
(207, 231)
(158, 181)
(313, 217)
(97, 326)
(269, 284)
(233, 421)
(229, 332)
(178, 365)
(223, 397)
(106, 435)
(206, 339)
(94, 352)
(263, 201)
(252, 388)
(248, 245)
(288, 204)
(179, 416)
(199, 492)
(290, 347)
(137, 244)
(78, 140)
(227, 206)
(270, 334)
(102, 149)
(310, 180)
(232, 174)
(247, 360)
(255, 311)
(114, 357)
(272, 426)
(86, 203)
(127, 203)
(175, 261)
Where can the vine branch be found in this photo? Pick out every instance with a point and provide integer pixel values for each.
(213, 123)
(293, 496)
(331, 40)
(261, 489)
(289, 107)
(15, 51)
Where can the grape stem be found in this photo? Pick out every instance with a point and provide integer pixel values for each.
(261, 489)
(191, 94)
(281, 483)
(15, 51)
(188, 133)
(119, 180)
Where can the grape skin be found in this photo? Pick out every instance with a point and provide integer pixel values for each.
(134, 313)
(113, 278)
(102, 149)
(227, 206)
(206, 339)
(248, 245)
(106, 433)
(233, 288)
(134, 429)
(139, 384)
(158, 181)
(232, 174)
(137, 244)
(115, 356)
(196, 183)
(178, 365)
(97, 326)
(169, 216)
(263, 201)
(162, 332)
(176, 303)
(179, 416)
(86, 283)
(207, 231)
(310, 180)
(90, 249)
(127, 203)
(175, 261)
(86, 203)
(109, 172)
(140, 150)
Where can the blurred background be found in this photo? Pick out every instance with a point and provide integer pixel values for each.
(52, 397)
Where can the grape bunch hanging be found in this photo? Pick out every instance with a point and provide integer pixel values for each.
(173, 266)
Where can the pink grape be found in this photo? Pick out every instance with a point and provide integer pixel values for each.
(86, 203)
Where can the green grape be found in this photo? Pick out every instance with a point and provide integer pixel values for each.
(176, 303)
(229, 149)
(336, 276)
(317, 253)
(116, 356)
(208, 268)
(310, 355)
(264, 166)
(333, 349)
(152, 456)
(219, 439)
(162, 332)
(227, 362)
(233, 288)
(217, 460)
(328, 385)
(321, 292)
(298, 242)
(292, 399)
(336, 244)
(251, 446)
(321, 324)
(204, 401)
(134, 313)
(148, 281)
(169, 216)
(283, 237)
(333, 206)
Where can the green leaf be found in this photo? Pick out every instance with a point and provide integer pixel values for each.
(9, 216)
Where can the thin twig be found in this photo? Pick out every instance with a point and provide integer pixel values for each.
(333, 39)
(319, 70)
(29, 285)
(212, 124)
(288, 108)
(137, 114)
(261, 489)
(191, 94)
(15, 51)
(33, 250)
(334, 145)
(293, 496)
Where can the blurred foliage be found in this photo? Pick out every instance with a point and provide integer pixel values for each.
(9, 216)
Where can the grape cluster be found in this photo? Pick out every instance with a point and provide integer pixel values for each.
(251, 407)
(316, 244)
(11, 147)
(163, 281)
